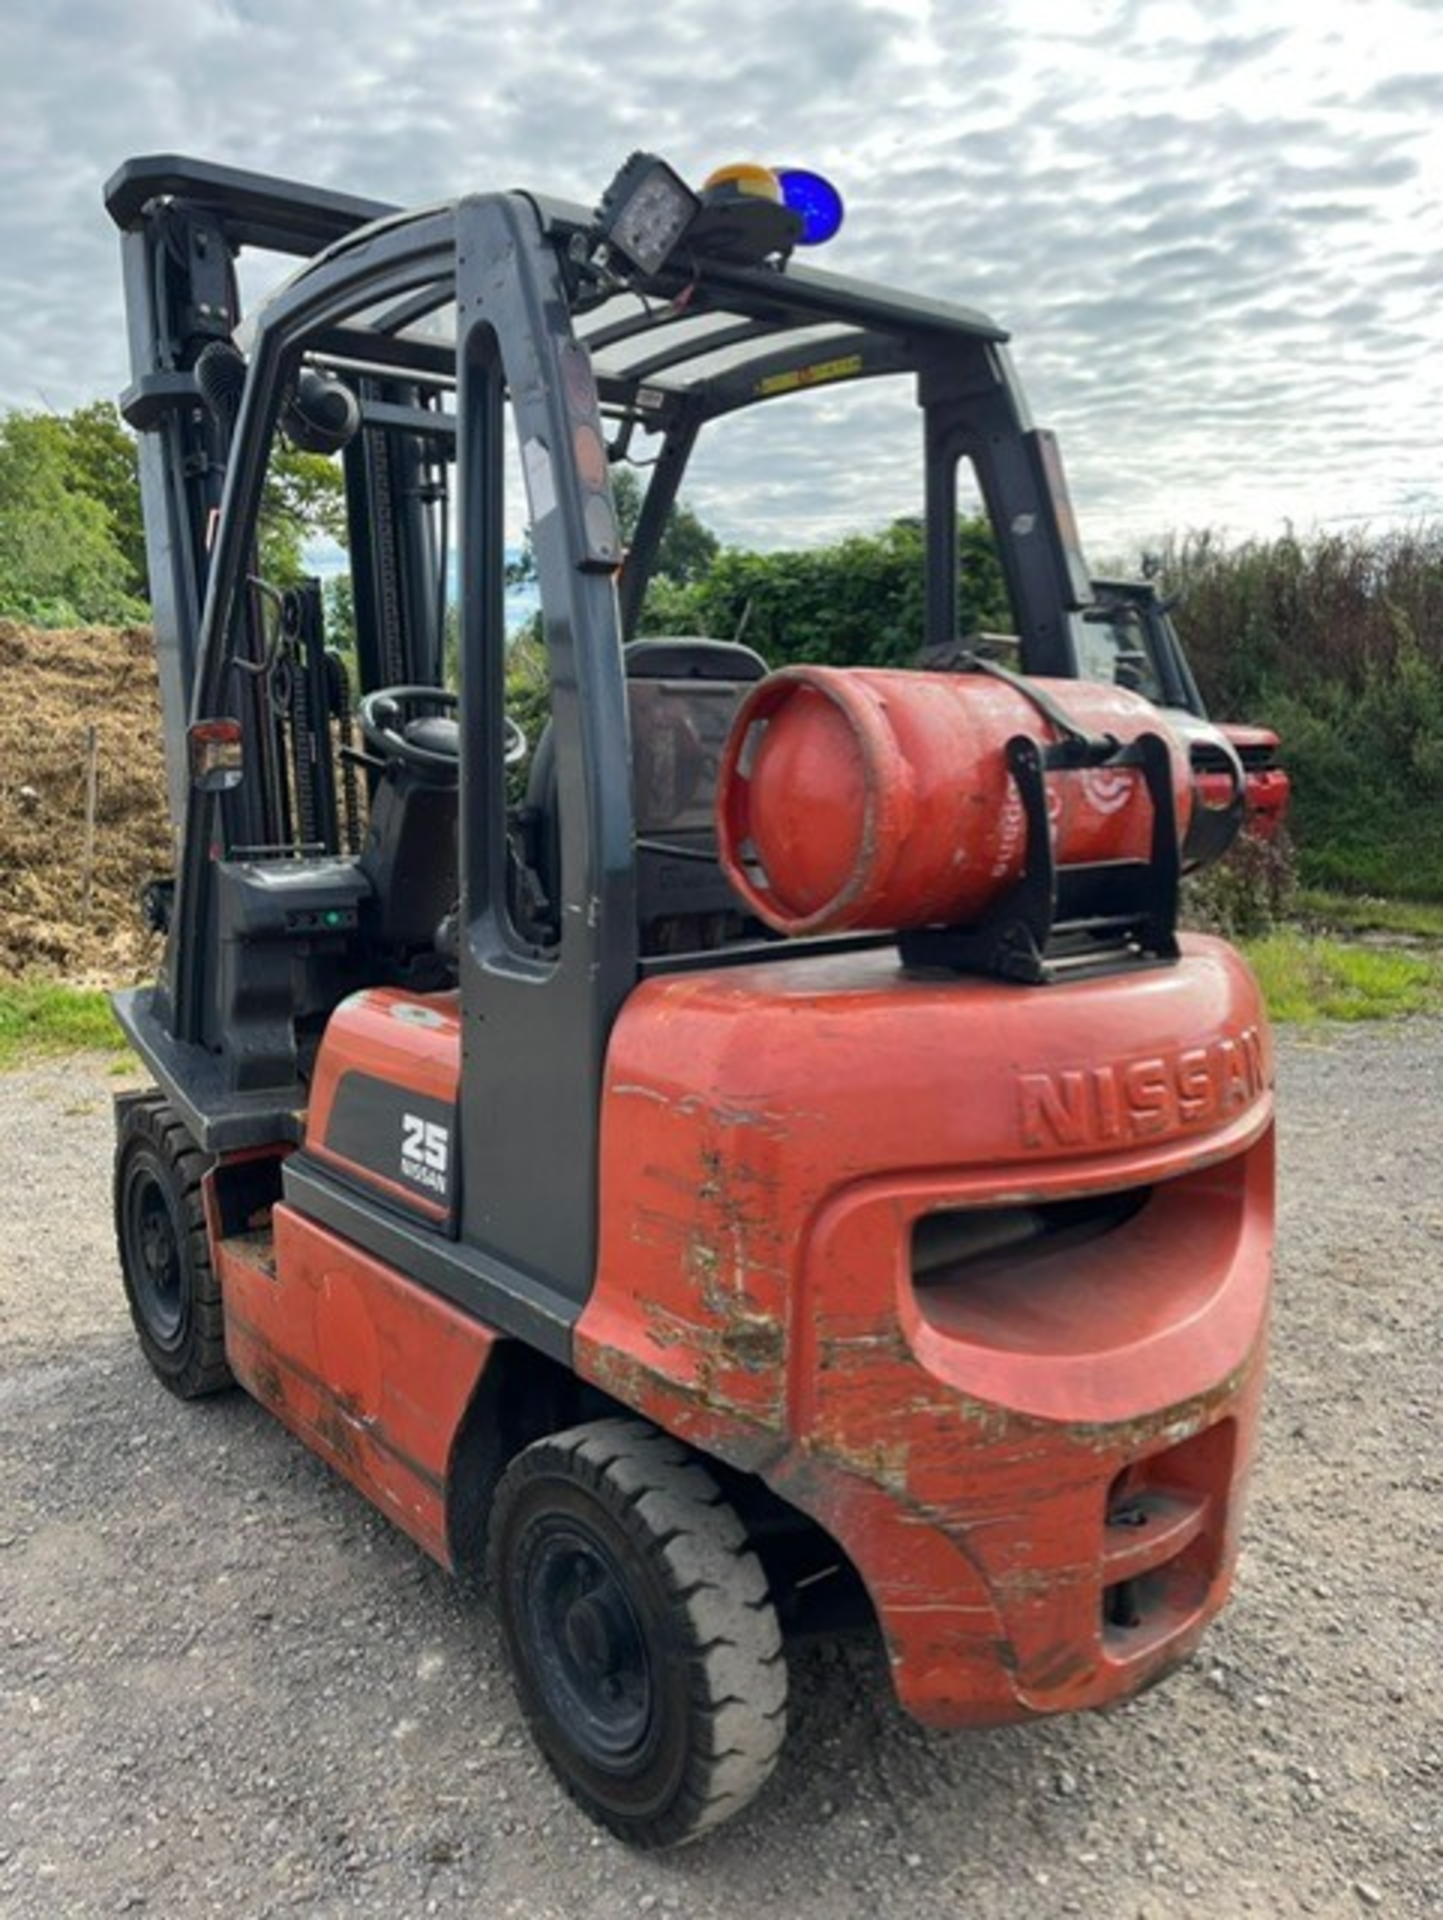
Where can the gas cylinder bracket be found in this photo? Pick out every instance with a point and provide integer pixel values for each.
(1090, 918)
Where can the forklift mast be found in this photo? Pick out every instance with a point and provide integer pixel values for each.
(184, 226)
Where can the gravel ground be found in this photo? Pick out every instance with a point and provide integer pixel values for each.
(227, 1688)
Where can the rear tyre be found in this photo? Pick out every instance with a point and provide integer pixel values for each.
(174, 1296)
(645, 1647)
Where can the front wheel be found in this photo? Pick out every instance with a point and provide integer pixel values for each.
(646, 1650)
(171, 1287)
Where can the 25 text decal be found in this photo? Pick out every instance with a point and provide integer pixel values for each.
(425, 1152)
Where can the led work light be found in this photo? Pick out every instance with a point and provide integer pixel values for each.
(645, 211)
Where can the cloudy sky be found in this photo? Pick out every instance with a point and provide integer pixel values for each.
(1214, 230)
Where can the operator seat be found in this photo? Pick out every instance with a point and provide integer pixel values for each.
(410, 854)
(682, 695)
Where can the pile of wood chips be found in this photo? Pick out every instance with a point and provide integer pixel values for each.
(83, 816)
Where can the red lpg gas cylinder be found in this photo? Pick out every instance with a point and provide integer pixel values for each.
(869, 798)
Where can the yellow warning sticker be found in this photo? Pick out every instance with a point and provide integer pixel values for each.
(814, 376)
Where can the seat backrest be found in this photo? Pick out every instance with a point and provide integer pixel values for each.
(410, 855)
(682, 695)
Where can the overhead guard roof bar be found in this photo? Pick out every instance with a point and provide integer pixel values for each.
(288, 216)
(283, 216)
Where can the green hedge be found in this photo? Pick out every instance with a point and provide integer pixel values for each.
(1337, 641)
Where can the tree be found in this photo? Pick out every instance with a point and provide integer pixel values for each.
(686, 550)
(687, 547)
(72, 536)
(104, 466)
(304, 499)
(61, 562)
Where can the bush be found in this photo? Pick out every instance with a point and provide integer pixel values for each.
(1337, 642)
(858, 603)
(1247, 892)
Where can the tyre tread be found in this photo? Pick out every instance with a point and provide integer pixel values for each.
(697, 1550)
(201, 1368)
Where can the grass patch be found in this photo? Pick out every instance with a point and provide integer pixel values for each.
(1366, 913)
(39, 1017)
(1305, 978)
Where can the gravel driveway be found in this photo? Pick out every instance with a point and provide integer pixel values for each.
(227, 1688)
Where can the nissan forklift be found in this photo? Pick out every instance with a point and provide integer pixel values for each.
(745, 1152)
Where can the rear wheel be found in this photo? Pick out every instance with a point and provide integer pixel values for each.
(174, 1296)
(646, 1649)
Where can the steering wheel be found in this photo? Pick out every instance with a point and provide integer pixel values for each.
(403, 724)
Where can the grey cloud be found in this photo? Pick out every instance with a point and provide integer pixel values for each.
(1349, 173)
(1420, 93)
(1306, 214)
(1229, 53)
(1186, 274)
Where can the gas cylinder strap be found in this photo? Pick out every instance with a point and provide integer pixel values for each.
(1093, 748)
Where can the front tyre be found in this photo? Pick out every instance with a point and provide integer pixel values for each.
(174, 1296)
(645, 1647)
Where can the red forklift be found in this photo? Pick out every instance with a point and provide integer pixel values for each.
(1130, 637)
(750, 1153)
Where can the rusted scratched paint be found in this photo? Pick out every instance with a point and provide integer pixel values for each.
(962, 1454)
(371, 1370)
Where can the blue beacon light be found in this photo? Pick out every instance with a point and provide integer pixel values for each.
(816, 201)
